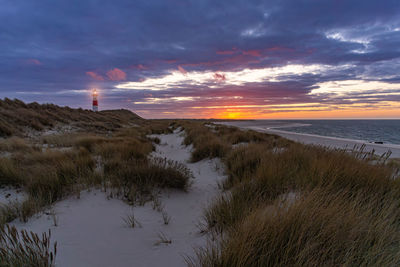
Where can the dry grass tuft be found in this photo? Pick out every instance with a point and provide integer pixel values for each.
(138, 178)
(131, 221)
(163, 239)
(26, 249)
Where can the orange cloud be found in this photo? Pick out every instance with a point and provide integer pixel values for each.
(116, 75)
(95, 76)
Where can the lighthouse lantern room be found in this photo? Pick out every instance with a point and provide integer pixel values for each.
(95, 101)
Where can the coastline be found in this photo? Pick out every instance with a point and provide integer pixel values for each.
(328, 141)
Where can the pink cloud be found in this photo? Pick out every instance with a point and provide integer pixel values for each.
(116, 75)
(254, 53)
(182, 70)
(95, 76)
(219, 77)
(33, 61)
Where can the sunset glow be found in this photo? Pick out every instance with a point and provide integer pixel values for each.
(275, 60)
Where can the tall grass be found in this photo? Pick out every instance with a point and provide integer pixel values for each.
(22, 248)
(289, 204)
(320, 229)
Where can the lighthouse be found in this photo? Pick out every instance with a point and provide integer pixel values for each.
(95, 102)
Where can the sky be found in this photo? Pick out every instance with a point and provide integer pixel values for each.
(275, 59)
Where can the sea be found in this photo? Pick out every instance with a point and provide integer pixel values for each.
(385, 131)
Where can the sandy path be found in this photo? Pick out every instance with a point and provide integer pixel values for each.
(91, 232)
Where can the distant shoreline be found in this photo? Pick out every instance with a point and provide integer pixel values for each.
(328, 141)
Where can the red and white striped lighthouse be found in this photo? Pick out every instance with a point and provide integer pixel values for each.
(95, 102)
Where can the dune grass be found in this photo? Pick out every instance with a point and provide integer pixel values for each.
(52, 153)
(22, 248)
(119, 160)
(206, 144)
(287, 204)
(319, 229)
(46, 176)
(18, 118)
(217, 141)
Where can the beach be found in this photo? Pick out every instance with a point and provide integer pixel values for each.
(333, 142)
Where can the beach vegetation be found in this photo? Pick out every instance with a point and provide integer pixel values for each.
(290, 204)
(23, 248)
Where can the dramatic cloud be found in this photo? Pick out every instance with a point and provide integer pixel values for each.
(116, 75)
(230, 58)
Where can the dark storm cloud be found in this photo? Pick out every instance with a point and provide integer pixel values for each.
(50, 50)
